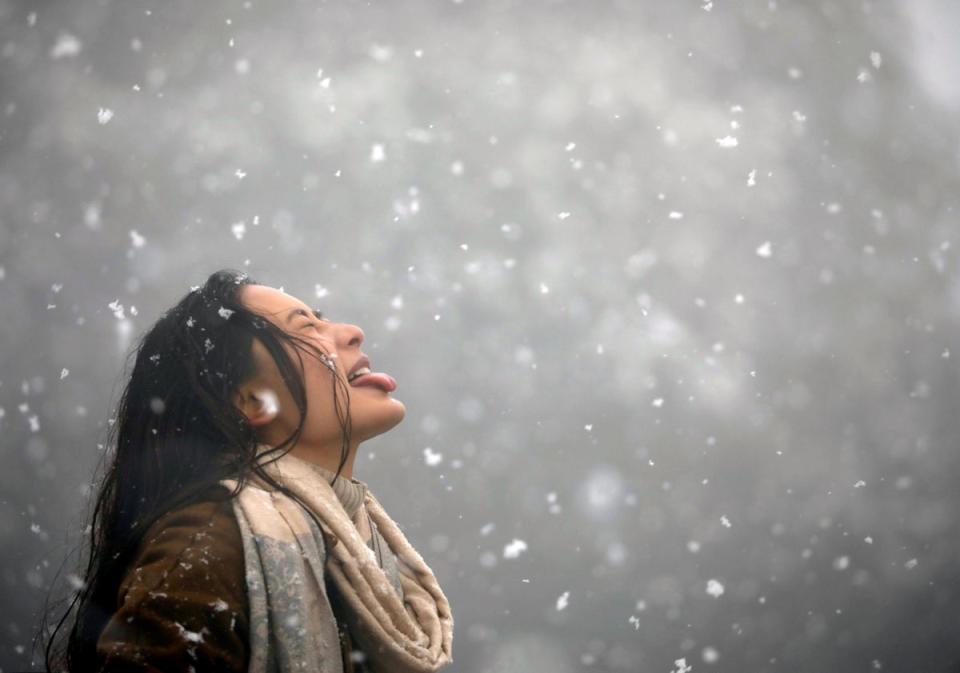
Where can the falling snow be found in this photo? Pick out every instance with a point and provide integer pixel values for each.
(66, 46)
(117, 309)
(431, 457)
(608, 328)
(514, 548)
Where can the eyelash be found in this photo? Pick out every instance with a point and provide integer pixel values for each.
(317, 314)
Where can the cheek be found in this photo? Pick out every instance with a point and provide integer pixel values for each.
(319, 383)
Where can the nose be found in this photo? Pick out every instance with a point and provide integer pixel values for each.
(354, 333)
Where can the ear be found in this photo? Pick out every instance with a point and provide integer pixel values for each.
(259, 405)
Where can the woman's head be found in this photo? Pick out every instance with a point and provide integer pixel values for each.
(232, 364)
(236, 363)
(269, 404)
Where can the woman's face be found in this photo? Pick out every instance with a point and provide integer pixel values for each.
(372, 409)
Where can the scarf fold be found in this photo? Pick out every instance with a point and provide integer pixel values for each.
(292, 625)
(350, 492)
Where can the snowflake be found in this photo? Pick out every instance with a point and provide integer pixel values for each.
(117, 309)
(66, 45)
(514, 549)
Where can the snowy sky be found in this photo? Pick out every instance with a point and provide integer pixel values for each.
(670, 291)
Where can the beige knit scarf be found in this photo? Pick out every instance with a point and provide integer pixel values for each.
(292, 625)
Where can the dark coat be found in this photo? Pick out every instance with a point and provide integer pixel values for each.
(182, 605)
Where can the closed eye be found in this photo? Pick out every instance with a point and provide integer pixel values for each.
(315, 312)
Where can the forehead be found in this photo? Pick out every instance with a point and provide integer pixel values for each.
(269, 301)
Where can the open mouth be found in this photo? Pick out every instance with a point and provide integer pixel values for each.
(384, 382)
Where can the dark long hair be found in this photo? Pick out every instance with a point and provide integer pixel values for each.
(176, 433)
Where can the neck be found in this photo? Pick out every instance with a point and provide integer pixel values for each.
(327, 457)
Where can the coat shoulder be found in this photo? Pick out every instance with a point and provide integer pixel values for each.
(183, 601)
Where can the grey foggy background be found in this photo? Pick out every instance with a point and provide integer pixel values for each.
(670, 290)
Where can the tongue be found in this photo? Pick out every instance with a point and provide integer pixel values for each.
(379, 380)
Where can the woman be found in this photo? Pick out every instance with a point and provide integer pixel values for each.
(229, 533)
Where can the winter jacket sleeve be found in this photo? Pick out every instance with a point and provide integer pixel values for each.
(183, 602)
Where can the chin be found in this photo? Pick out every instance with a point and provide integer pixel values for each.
(376, 419)
(397, 411)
